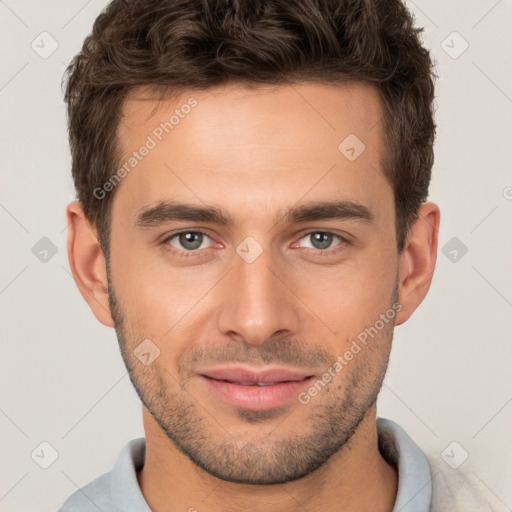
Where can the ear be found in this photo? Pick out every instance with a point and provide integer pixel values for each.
(87, 263)
(418, 260)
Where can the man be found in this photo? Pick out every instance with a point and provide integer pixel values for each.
(252, 219)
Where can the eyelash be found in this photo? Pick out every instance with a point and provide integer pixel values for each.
(201, 252)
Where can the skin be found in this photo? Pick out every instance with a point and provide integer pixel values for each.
(256, 152)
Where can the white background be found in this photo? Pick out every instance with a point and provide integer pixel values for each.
(62, 377)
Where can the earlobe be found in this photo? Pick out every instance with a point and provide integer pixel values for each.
(418, 260)
(87, 263)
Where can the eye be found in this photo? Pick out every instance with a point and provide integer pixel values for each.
(188, 241)
(323, 240)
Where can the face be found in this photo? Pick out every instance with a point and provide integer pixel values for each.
(253, 272)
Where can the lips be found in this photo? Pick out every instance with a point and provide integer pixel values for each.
(254, 389)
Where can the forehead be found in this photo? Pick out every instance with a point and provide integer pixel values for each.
(252, 146)
(324, 107)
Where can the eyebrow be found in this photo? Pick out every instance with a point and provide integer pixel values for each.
(167, 211)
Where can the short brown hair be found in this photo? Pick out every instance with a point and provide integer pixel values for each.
(197, 44)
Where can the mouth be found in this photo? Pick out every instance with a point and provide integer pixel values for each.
(251, 383)
(253, 389)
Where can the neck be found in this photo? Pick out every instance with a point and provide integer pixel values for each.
(356, 478)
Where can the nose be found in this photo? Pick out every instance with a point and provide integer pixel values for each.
(258, 301)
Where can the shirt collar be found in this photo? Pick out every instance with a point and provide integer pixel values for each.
(414, 479)
(124, 486)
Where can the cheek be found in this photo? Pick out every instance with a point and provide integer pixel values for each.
(349, 298)
(161, 302)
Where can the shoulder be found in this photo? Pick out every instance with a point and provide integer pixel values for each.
(91, 497)
(426, 473)
(459, 490)
(115, 490)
